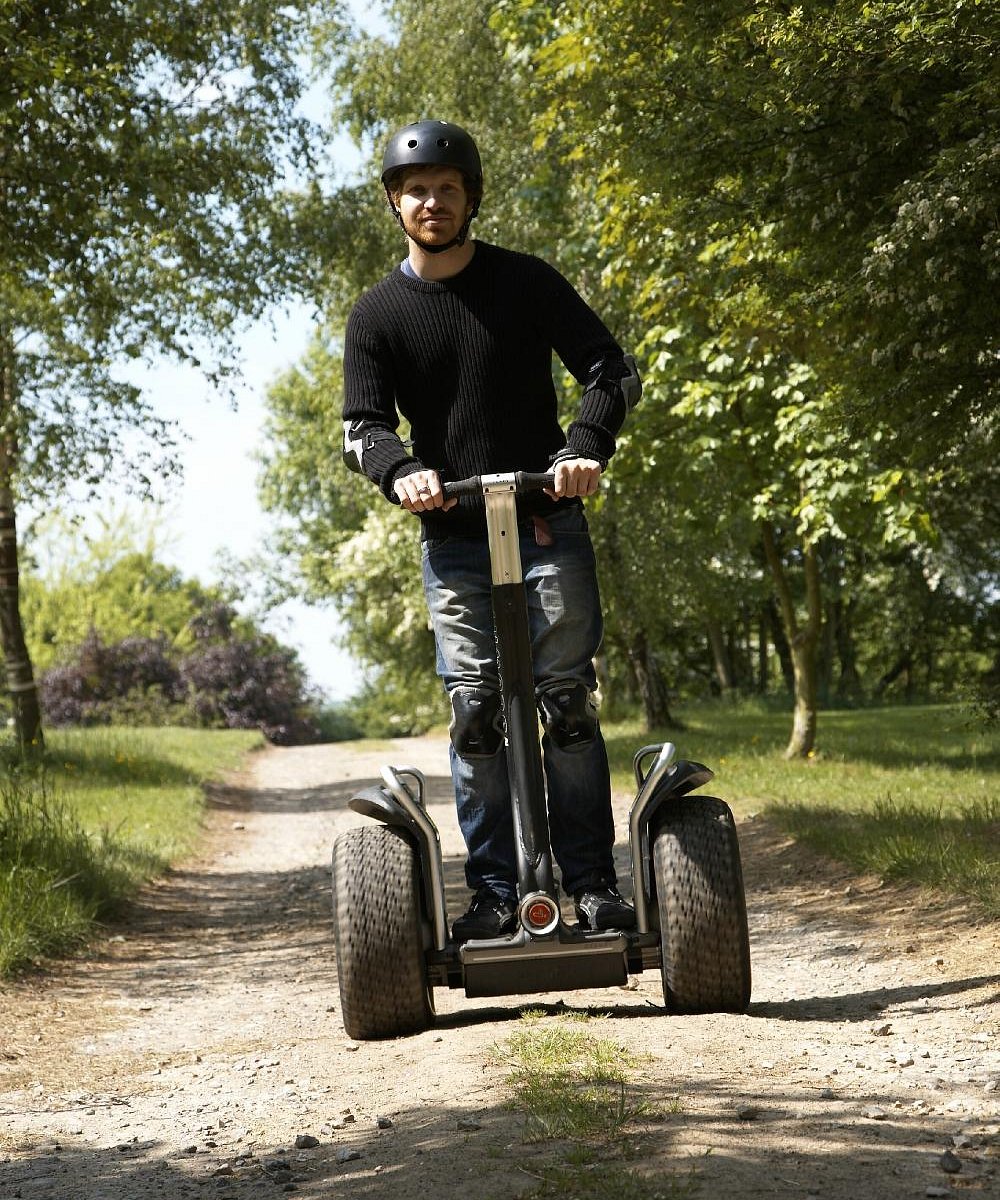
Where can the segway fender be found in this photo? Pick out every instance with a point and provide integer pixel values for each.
(665, 781)
(376, 803)
(394, 804)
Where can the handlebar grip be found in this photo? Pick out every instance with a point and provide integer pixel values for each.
(534, 481)
(473, 486)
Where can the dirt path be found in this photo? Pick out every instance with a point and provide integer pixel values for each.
(188, 1054)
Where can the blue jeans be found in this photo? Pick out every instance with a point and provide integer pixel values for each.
(566, 627)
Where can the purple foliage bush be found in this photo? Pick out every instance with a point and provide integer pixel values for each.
(89, 688)
(249, 683)
(230, 680)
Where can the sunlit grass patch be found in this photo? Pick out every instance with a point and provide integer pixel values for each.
(143, 786)
(56, 880)
(575, 1088)
(568, 1081)
(957, 851)
(80, 831)
(908, 792)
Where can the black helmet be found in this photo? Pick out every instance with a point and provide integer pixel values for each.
(433, 143)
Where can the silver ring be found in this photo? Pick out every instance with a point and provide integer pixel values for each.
(423, 491)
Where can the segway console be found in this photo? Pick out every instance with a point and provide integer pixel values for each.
(390, 918)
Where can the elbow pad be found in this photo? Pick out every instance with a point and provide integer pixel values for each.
(360, 436)
(619, 374)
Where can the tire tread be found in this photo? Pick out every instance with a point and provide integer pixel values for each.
(705, 943)
(379, 938)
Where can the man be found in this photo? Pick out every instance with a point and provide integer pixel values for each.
(459, 340)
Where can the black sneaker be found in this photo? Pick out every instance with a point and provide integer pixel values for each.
(489, 916)
(603, 908)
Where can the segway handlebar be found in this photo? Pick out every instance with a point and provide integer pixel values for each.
(517, 482)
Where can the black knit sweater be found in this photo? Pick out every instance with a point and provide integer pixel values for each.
(468, 362)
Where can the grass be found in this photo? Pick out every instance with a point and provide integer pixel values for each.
(608, 1181)
(911, 793)
(568, 1083)
(104, 811)
(575, 1087)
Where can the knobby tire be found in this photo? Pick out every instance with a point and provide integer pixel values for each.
(380, 934)
(702, 908)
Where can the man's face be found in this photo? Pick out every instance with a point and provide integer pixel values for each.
(433, 204)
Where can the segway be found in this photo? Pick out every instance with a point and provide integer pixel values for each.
(391, 925)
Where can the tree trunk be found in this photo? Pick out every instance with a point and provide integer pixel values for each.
(802, 640)
(746, 672)
(763, 655)
(652, 685)
(849, 683)
(781, 646)
(805, 713)
(826, 652)
(605, 685)
(902, 664)
(721, 658)
(20, 676)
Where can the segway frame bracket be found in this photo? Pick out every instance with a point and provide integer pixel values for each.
(510, 614)
(525, 964)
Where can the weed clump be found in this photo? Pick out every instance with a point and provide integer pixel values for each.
(577, 1091)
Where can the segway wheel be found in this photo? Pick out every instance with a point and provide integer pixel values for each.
(705, 944)
(379, 932)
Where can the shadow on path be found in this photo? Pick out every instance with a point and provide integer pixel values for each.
(683, 1132)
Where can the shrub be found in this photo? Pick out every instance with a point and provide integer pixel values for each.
(232, 679)
(386, 710)
(90, 689)
(249, 683)
(337, 723)
(986, 697)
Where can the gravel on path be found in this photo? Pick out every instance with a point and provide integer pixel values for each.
(198, 1050)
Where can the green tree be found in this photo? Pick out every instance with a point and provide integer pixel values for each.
(861, 137)
(110, 582)
(726, 182)
(303, 480)
(347, 545)
(144, 151)
(745, 159)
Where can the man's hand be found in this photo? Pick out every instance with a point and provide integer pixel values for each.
(421, 491)
(575, 477)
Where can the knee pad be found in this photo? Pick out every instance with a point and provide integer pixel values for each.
(570, 715)
(477, 722)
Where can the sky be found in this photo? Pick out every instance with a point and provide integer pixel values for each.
(214, 508)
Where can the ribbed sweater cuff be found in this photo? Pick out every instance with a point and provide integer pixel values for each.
(398, 471)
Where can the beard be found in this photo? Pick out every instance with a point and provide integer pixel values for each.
(433, 235)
